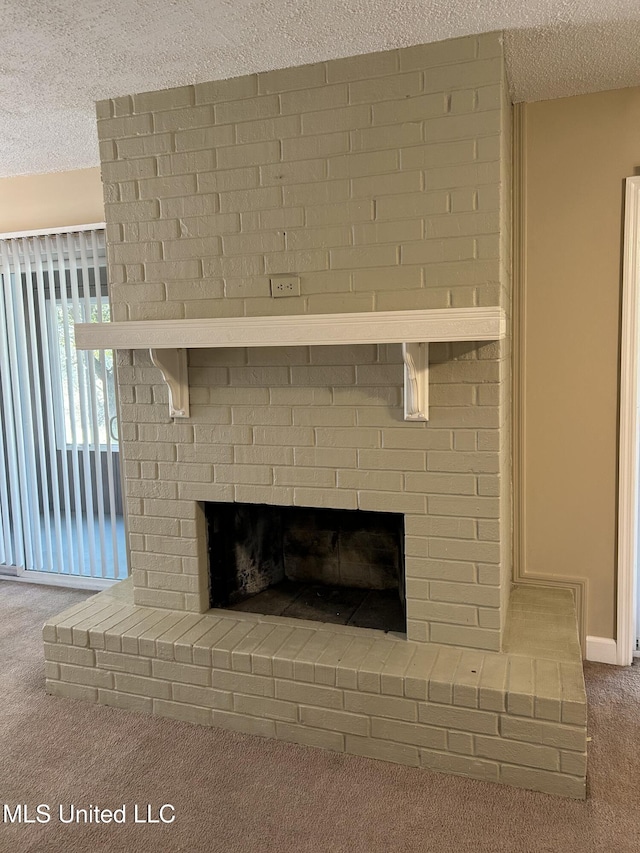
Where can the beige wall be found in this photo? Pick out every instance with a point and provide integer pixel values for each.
(578, 152)
(54, 200)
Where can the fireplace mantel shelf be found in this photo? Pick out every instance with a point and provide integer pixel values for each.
(169, 340)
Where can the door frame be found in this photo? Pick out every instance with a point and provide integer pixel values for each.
(628, 457)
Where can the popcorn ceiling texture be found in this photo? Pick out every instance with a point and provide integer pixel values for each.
(58, 59)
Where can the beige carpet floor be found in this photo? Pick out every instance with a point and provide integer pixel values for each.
(236, 793)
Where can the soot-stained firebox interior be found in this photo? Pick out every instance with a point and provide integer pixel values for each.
(340, 566)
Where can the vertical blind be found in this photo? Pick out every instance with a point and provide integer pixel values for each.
(60, 498)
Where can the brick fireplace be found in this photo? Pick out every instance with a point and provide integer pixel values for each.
(379, 183)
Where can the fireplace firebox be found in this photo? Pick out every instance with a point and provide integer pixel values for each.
(328, 565)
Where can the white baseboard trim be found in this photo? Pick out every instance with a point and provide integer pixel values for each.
(54, 579)
(602, 650)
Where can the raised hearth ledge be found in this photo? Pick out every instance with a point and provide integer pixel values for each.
(517, 717)
(169, 340)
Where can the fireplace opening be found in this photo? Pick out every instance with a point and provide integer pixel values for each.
(340, 566)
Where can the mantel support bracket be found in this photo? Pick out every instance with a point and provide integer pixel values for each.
(172, 363)
(416, 381)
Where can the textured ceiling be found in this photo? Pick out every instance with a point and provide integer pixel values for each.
(59, 56)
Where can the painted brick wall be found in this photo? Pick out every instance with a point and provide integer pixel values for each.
(382, 181)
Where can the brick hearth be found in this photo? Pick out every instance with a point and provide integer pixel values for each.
(517, 717)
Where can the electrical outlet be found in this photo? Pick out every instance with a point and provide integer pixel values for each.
(285, 285)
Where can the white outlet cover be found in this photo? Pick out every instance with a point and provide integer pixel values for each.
(285, 285)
